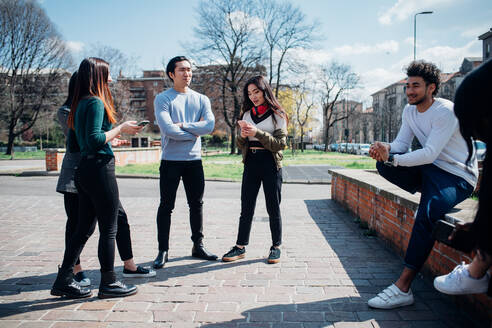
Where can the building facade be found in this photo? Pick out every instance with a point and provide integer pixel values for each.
(486, 45)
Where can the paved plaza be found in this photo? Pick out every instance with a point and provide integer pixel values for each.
(329, 269)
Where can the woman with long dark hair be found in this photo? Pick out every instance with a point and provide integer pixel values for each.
(66, 186)
(91, 117)
(473, 108)
(263, 127)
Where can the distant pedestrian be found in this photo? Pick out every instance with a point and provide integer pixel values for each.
(91, 117)
(183, 115)
(263, 136)
(440, 171)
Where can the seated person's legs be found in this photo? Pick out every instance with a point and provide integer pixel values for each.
(407, 178)
(441, 191)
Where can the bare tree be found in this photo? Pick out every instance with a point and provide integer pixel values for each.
(227, 36)
(304, 104)
(336, 79)
(32, 62)
(119, 65)
(285, 28)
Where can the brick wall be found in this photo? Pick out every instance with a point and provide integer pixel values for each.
(390, 211)
(123, 156)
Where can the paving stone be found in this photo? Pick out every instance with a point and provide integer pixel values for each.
(303, 316)
(64, 315)
(265, 316)
(325, 282)
(130, 316)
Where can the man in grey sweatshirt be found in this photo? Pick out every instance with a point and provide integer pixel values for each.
(183, 115)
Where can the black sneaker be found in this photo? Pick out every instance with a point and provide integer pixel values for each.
(235, 253)
(274, 256)
(139, 273)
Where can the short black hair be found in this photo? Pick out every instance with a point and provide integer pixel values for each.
(171, 66)
(428, 71)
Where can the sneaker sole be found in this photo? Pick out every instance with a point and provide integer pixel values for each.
(465, 292)
(84, 284)
(57, 292)
(104, 296)
(234, 258)
(393, 306)
(273, 261)
(139, 275)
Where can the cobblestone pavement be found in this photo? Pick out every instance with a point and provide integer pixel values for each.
(327, 273)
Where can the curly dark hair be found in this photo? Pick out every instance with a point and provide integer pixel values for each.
(428, 71)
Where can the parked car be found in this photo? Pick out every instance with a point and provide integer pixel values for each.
(363, 149)
(351, 148)
(343, 147)
(334, 147)
(480, 148)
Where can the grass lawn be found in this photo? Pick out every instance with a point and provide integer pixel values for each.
(225, 166)
(40, 154)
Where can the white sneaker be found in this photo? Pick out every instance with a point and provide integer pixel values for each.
(390, 298)
(82, 279)
(459, 282)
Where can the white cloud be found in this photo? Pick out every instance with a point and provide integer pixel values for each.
(406, 8)
(379, 78)
(474, 32)
(75, 46)
(312, 56)
(240, 19)
(390, 46)
(447, 58)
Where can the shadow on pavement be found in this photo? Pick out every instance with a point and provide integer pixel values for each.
(370, 268)
(15, 286)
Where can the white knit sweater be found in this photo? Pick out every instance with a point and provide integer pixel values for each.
(437, 130)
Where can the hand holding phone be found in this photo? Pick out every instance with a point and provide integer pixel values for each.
(242, 123)
(143, 123)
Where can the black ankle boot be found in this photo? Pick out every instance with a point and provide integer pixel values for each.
(110, 287)
(65, 286)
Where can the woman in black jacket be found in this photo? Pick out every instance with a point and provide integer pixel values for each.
(473, 107)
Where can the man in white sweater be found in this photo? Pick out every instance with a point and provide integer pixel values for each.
(439, 171)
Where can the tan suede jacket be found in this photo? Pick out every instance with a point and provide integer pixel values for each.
(274, 143)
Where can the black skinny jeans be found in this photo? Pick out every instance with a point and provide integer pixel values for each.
(194, 183)
(259, 168)
(123, 236)
(98, 200)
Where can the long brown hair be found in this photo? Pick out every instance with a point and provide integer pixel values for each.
(270, 99)
(92, 81)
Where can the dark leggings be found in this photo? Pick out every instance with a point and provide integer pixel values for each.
(123, 236)
(260, 168)
(98, 202)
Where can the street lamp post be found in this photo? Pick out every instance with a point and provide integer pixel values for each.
(415, 32)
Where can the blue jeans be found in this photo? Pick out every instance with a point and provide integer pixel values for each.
(440, 192)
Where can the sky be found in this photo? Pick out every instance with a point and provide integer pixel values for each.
(374, 37)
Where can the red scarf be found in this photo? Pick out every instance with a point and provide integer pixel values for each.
(259, 110)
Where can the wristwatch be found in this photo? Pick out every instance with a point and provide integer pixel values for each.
(390, 161)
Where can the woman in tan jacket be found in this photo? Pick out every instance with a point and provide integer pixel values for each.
(263, 127)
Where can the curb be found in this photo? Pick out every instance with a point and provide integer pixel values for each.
(23, 173)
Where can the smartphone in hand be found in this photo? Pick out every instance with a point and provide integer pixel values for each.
(242, 123)
(143, 123)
